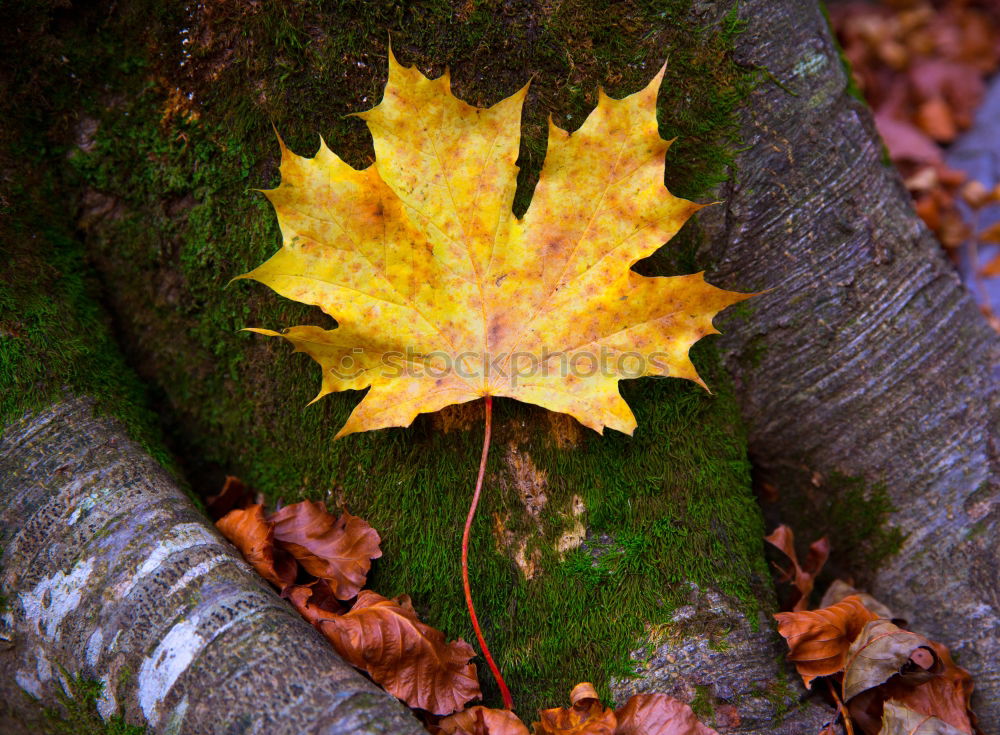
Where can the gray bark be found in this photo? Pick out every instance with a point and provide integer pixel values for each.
(868, 357)
(741, 682)
(111, 572)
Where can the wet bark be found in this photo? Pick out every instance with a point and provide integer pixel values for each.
(867, 357)
(111, 573)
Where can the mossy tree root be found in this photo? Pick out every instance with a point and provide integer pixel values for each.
(866, 372)
(110, 574)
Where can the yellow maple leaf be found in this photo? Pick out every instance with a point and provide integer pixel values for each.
(442, 296)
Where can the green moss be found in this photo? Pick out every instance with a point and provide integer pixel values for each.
(702, 91)
(77, 711)
(701, 703)
(779, 691)
(669, 506)
(54, 337)
(125, 676)
(856, 514)
(852, 86)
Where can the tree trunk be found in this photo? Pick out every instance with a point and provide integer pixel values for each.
(111, 574)
(866, 370)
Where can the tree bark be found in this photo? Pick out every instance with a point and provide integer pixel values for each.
(112, 574)
(866, 357)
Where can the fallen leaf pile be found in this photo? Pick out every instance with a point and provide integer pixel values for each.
(890, 680)
(320, 562)
(643, 714)
(922, 67)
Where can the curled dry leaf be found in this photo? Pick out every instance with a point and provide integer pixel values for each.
(315, 601)
(587, 716)
(897, 719)
(253, 535)
(483, 721)
(658, 714)
(840, 589)
(945, 696)
(818, 640)
(234, 494)
(339, 550)
(582, 693)
(802, 577)
(409, 659)
(883, 650)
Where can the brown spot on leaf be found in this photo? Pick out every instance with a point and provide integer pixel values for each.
(495, 333)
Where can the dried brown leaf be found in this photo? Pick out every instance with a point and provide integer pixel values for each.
(339, 550)
(906, 143)
(945, 696)
(802, 577)
(818, 640)
(974, 194)
(957, 85)
(315, 601)
(882, 650)
(658, 714)
(483, 721)
(253, 535)
(234, 494)
(410, 659)
(587, 716)
(840, 590)
(934, 117)
(897, 719)
(991, 234)
(929, 211)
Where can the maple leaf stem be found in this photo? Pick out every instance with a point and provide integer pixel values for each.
(508, 701)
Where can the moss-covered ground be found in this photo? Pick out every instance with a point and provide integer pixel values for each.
(157, 124)
(54, 336)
